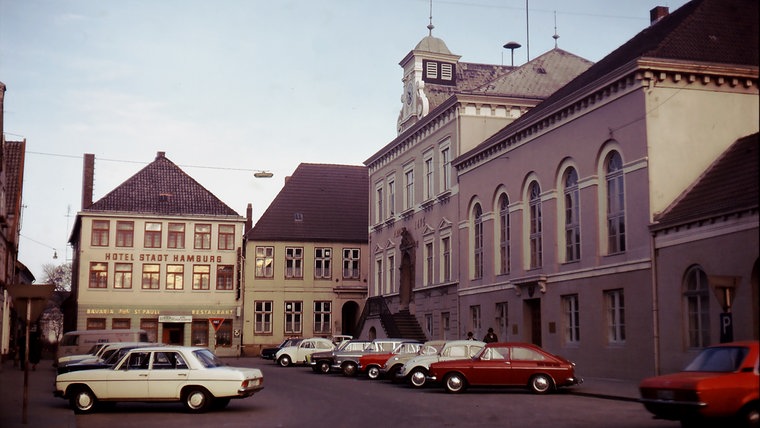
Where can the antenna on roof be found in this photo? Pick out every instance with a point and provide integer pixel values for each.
(555, 36)
(527, 32)
(430, 25)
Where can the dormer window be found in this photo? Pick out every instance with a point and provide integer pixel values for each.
(442, 73)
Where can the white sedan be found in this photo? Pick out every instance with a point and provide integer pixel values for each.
(194, 376)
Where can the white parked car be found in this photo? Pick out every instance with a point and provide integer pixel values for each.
(297, 354)
(191, 375)
(416, 369)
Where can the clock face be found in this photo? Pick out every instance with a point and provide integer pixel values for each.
(409, 94)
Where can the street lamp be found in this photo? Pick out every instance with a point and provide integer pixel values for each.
(263, 174)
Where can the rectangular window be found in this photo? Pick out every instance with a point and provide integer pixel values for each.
(322, 311)
(475, 319)
(122, 276)
(151, 276)
(379, 199)
(96, 323)
(175, 275)
(446, 258)
(125, 233)
(263, 316)
(615, 316)
(322, 263)
(264, 262)
(447, 71)
(446, 325)
(121, 323)
(445, 169)
(428, 263)
(202, 240)
(572, 325)
(391, 283)
(351, 263)
(379, 273)
(431, 70)
(224, 277)
(150, 325)
(201, 277)
(226, 236)
(98, 275)
(176, 235)
(408, 189)
(429, 177)
(100, 231)
(224, 334)
(293, 314)
(199, 333)
(152, 235)
(293, 262)
(391, 198)
(502, 319)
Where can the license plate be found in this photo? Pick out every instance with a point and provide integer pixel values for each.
(665, 394)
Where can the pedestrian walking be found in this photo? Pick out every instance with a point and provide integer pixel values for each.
(490, 336)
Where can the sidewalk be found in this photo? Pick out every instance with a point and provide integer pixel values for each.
(43, 409)
(611, 389)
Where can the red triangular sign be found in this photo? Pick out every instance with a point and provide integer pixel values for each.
(216, 322)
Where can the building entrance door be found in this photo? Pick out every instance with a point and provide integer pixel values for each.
(174, 333)
(533, 320)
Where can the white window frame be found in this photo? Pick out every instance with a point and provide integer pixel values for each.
(409, 186)
(429, 170)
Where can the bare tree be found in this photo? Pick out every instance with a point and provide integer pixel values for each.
(51, 321)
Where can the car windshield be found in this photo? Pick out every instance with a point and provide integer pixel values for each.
(720, 360)
(208, 359)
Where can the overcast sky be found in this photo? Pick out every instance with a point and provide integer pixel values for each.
(227, 88)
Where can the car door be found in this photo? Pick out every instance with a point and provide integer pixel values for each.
(168, 374)
(306, 347)
(130, 379)
(492, 367)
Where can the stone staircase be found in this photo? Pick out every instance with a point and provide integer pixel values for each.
(407, 326)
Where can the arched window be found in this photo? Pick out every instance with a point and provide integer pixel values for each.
(477, 247)
(572, 216)
(504, 232)
(615, 203)
(536, 227)
(697, 300)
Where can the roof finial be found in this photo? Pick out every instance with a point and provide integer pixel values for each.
(555, 36)
(430, 25)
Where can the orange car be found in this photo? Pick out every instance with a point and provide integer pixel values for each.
(722, 383)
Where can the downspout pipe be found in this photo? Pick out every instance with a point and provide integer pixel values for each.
(655, 302)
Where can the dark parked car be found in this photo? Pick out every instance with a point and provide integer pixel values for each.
(269, 353)
(721, 387)
(109, 359)
(507, 364)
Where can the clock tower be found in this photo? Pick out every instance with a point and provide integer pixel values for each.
(430, 68)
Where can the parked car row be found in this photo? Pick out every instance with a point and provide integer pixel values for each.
(455, 365)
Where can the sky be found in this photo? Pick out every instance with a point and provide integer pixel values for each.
(230, 87)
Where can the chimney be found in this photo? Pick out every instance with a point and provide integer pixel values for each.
(160, 155)
(657, 14)
(87, 180)
(248, 218)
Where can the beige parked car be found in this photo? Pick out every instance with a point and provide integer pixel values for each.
(191, 375)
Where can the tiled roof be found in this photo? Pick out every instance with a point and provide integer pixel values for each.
(540, 77)
(162, 188)
(14, 175)
(700, 32)
(318, 203)
(469, 77)
(728, 186)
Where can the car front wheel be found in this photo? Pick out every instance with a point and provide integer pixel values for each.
(349, 369)
(324, 367)
(417, 378)
(284, 361)
(83, 401)
(197, 400)
(455, 383)
(541, 384)
(373, 372)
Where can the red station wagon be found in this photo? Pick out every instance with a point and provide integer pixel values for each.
(507, 364)
(720, 384)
